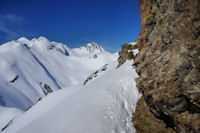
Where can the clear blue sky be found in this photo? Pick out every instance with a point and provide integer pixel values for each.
(110, 23)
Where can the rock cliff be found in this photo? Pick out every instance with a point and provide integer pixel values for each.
(169, 62)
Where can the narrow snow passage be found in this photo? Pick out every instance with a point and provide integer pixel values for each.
(104, 105)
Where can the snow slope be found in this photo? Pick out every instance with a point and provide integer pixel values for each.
(103, 105)
(27, 65)
(7, 114)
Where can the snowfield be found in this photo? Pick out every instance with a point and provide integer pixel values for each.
(103, 105)
(7, 114)
(27, 66)
(47, 87)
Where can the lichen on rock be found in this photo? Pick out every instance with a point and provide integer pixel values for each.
(168, 63)
(145, 122)
(126, 53)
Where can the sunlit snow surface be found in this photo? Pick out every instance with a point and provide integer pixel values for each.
(39, 61)
(104, 105)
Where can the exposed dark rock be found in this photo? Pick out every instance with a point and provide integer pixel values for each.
(14, 79)
(169, 62)
(145, 122)
(39, 99)
(9, 123)
(95, 74)
(48, 88)
(95, 56)
(28, 108)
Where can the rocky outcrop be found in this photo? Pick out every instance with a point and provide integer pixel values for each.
(169, 62)
(127, 53)
(95, 74)
(14, 79)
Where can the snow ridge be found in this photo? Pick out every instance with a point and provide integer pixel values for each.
(33, 69)
(104, 105)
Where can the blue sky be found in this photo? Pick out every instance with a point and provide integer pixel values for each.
(109, 23)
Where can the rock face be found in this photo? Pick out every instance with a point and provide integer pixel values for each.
(145, 122)
(169, 62)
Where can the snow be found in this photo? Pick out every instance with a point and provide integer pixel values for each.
(89, 49)
(7, 114)
(38, 62)
(27, 65)
(104, 105)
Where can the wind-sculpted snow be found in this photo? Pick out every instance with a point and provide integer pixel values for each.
(28, 65)
(104, 105)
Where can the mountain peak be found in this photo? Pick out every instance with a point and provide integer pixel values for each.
(94, 47)
(91, 44)
(43, 38)
(23, 39)
(40, 39)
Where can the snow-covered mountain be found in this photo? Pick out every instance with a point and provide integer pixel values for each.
(47, 87)
(29, 69)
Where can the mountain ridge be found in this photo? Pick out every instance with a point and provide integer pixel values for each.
(27, 66)
(43, 43)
